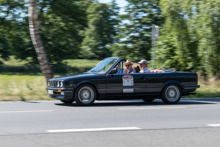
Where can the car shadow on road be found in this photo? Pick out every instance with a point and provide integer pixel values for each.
(124, 103)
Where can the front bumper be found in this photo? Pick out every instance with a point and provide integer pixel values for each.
(61, 93)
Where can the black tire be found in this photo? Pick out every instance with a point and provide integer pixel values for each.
(85, 95)
(171, 94)
(67, 102)
(148, 100)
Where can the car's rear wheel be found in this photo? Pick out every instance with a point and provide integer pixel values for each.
(85, 95)
(171, 94)
(67, 102)
(148, 100)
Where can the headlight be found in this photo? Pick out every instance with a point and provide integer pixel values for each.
(48, 83)
(61, 84)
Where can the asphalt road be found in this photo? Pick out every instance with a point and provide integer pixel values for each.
(191, 122)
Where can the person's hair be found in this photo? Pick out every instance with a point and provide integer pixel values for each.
(136, 68)
(128, 62)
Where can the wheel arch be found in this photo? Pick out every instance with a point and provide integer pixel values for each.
(87, 82)
(171, 82)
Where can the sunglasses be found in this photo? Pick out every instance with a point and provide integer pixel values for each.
(127, 65)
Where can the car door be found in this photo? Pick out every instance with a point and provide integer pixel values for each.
(125, 83)
(114, 84)
(139, 83)
(155, 82)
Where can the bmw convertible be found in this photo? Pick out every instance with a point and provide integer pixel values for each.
(104, 82)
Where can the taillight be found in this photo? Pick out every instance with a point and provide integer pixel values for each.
(197, 79)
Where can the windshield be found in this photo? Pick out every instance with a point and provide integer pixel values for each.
(104, 65)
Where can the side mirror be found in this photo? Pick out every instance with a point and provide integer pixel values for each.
(113, 71)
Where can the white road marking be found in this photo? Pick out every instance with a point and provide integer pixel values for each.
(214, 125)
(25, 111)
(94, 129)
(152, 108)
(198, 101)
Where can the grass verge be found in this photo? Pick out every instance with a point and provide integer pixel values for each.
(21, 82)
(30, 87)
(22, 87)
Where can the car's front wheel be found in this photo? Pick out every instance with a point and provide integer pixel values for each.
(85, 95)
(171, 94)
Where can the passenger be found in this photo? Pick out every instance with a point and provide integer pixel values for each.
(157, 70)
(125, 70)
(136, 68)
(119, 70)
(129, 68)
(143, 64)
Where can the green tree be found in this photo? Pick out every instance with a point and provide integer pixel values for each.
(102, 19)
(8, 22)
(176, 46)
(4, 46)
(60, 23)
(135, 31)
(195, 25)
(60, 26)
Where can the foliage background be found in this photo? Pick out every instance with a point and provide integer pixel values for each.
(87, 29)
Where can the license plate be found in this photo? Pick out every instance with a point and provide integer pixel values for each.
(50, 91)
(128, 90)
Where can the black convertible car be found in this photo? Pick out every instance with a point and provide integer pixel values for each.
(103, 82)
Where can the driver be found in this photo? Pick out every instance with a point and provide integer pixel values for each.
(129, 68)
(119, 70)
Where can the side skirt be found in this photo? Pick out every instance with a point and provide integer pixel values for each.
(128, 96)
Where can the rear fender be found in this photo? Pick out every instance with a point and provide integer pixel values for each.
(172, 82)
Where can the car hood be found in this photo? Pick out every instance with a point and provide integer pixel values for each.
(78, 76)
